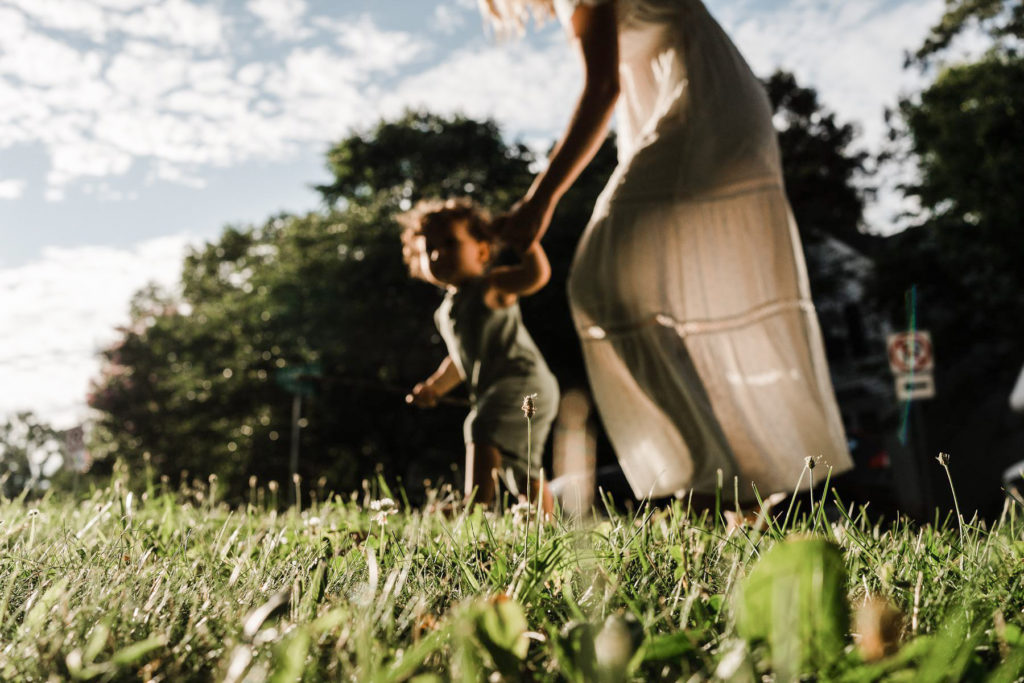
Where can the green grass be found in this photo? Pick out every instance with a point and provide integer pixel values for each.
(159, 584)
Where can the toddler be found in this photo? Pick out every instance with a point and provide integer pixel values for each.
(451, 244)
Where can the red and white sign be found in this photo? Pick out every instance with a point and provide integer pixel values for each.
(911, 352)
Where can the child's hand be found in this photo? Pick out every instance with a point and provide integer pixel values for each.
(423, 395)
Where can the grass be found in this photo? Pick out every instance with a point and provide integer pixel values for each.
(164, 584)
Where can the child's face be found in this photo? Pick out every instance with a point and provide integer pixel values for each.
(453, 255)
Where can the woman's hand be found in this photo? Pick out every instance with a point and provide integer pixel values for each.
(422, 395)
(525, 223)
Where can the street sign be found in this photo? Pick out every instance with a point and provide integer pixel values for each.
(299, 379)
(912, 360)
(917, 385)
(910, 352)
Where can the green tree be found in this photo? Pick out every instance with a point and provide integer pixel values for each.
(822, 173)
(1002, 20)
(962, 254)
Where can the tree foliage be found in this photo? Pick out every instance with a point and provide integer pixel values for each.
(1002, 20)
(962, 257)
(821, 171)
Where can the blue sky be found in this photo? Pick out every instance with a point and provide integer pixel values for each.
(132, 128)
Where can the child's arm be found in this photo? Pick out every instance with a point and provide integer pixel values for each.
(525, 278)
(444, 379)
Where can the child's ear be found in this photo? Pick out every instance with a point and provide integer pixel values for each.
(485, 252)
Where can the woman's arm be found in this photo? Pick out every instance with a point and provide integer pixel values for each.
(505, 283)
(444, 379)
(596, 37)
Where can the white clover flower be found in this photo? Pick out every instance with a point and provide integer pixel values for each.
(520, 513)
(382, 508)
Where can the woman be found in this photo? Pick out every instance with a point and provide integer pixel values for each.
(689, 288)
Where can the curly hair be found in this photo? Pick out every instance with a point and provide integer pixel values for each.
(429, 212)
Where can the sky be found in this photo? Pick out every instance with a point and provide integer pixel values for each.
(132, 129)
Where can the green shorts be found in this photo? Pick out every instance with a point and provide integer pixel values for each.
(497, 419)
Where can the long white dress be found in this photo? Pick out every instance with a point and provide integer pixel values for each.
(689, 288)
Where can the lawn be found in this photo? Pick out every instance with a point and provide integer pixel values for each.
(159, 583)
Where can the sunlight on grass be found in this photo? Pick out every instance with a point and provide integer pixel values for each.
(171, 585)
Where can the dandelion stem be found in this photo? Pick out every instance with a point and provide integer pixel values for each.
(944, 461)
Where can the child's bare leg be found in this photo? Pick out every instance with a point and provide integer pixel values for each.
(547, 500)
(481, 459)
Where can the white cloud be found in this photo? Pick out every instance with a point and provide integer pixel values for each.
(35, 59)
(174, 94)
(178, 22)
(12, 188)
(61, 309)
(851, 53)
(448, 19)
(65, 15)
(530, 89)
(281, 18)
(370, 48)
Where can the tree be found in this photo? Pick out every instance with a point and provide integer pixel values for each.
(820, 170)
(962, 254)
(1002, 20)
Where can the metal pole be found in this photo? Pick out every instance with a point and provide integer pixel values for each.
(293, 457)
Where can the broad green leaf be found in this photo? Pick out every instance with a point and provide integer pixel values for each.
(794, 600)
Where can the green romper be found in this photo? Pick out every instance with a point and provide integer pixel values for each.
(501, 364)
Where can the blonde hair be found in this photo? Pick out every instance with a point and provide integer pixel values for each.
(509, 17)
(429, 212)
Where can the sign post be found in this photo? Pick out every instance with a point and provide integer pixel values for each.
(300, 380)
(912, 361)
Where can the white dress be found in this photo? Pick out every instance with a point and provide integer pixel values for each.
(689, 288)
